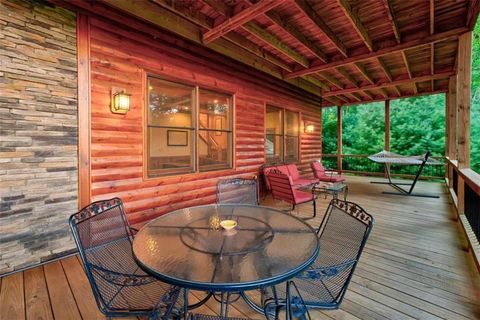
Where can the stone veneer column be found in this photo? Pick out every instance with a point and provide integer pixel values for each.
(38, 132)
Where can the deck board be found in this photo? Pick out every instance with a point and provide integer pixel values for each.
(414, 266)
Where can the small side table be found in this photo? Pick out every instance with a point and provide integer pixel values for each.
(327, 188)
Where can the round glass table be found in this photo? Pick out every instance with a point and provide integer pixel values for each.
(189, 248)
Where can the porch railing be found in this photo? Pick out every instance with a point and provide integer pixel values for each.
(360, 164)
(464, 186)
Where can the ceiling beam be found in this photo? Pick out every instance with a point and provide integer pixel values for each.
(202, 20)
(385, 69)
(276, 43)
(407, 65)
(473, 12)
(355, 96)
(393, 19)
(240, 19)
(162, 18)
(447, 35)
(334, 101)
(347, 75)
(426, 93)
(390, 84)
(342, 98)
(398, 91)
(357, 24)
(303, 6)
(364, 72)
(384, 92)
(432, 17)
(297, 34)
(368, 94)
(332, 80)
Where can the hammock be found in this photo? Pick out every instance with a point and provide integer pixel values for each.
(388, 158)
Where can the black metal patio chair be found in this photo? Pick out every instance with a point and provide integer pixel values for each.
(104, 240)
(237, 191)
(343, 234)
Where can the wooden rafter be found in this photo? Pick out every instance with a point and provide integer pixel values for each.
(335, 101)
(432, 17)
(393, 83)
(240, 19)
(384, 92)
(331, 79)
(342, 98)
(276, 43)
(297, 34)
(473, 12)
(409, 71)
(368, 94)
(357, 24)
(397, 90)
(447, 35)
(165, 19)
(385, 69)
(201, 20)
(374, 99)
(407, 65)
(388, 74)
(317, 82)
(393, 20)
(347, 75)
(220, 7)
(355, 97)
(312, 15)
(364, 72)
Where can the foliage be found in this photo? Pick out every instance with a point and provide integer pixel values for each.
(416, 125)
(475, 107)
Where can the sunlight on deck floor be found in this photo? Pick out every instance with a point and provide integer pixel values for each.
(414, 266)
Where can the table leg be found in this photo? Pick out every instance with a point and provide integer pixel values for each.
(185, 304)
(345, 192)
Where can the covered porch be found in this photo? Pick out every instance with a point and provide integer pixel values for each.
(154, 102)
(415, 265)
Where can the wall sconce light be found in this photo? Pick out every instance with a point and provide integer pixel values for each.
(120, 101)
(309, 128)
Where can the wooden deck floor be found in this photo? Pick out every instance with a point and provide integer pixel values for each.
(414, 266)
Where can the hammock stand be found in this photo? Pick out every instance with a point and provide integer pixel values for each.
(387, 158)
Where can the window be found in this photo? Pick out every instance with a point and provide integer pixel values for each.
(173, 139)
(282, 135)
(215, 132)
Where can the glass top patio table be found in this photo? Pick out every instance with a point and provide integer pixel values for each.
(188, 248)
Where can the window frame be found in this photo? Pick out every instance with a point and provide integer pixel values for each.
(195, 130)
(283, 134)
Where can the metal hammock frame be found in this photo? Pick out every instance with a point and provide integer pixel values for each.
(385, 156)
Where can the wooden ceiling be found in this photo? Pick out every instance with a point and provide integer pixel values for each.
(347, 51)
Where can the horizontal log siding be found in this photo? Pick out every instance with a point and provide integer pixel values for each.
(120, 58)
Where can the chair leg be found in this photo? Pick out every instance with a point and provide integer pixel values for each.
(314, 208)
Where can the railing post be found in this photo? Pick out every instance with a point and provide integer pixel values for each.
(464, 80)
(339, 138)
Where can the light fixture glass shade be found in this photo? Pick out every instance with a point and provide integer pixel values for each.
(309, 128)
(120, 102)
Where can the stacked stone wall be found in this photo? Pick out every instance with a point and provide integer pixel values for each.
(38, 132)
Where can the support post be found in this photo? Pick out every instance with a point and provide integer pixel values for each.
(339, 138)
(452, 125)
(463, 111)
(387, 125)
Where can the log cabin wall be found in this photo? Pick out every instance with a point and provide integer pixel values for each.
(121, 57)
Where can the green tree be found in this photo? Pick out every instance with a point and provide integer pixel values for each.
(475, 103)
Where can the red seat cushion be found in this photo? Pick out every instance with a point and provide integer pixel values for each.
(293, 171)
(283, 169)
(302, 196)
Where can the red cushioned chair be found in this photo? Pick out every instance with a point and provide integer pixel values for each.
(283, 189)
(320, 173)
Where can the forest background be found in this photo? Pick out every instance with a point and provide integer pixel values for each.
(416, 125)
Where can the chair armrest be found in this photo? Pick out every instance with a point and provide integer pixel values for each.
(316, 273)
